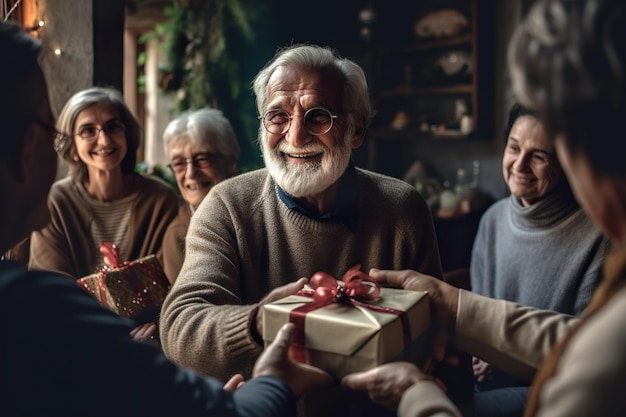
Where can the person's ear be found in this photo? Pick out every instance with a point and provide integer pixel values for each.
(358, 137)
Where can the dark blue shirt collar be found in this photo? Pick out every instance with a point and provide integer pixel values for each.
(346, 208)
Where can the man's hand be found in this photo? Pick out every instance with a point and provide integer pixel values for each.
(275, 361)
(443, 300)
(276, 294)
(387, 383)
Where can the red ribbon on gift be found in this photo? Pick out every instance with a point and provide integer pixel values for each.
(357, 286)
(111, 255)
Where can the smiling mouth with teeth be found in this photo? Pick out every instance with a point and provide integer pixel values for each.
(104, 151)
(303, 156)
(197, 186)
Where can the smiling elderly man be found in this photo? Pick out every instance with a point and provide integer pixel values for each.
(310, 209)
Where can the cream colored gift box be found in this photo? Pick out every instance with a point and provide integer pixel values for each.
(342, 338)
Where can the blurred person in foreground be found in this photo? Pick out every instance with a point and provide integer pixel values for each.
(568, 63)
(509, 262)
(255, 236)
(202, 149)
(62, 353)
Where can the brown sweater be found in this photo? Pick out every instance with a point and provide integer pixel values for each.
(243, 241)
(174, 243)
(65, 245)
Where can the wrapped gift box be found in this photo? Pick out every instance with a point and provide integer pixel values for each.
(342, 338)
(134, 289)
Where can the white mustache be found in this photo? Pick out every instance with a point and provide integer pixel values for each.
(309, 149)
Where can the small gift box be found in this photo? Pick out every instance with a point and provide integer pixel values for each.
(134, 289)
(351, 326)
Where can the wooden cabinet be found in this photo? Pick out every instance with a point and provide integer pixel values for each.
(427, 76)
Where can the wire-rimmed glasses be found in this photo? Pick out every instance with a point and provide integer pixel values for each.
(317, 121)
(90, 133)
(203, 160)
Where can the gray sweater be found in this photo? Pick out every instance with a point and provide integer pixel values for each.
(548, 255)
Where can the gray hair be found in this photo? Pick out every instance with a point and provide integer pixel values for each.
(67, 122)
(568, 63)
(355, 96)
(206, 127)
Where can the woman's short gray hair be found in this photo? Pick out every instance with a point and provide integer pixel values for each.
(207, 128)
(67, 121)
(355, 98)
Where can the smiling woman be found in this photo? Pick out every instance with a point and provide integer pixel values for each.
(202, 149)
(102, 199)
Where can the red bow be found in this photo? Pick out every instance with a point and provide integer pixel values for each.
(356, 284)
(111, 255)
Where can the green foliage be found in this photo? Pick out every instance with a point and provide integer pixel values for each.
(205, 43)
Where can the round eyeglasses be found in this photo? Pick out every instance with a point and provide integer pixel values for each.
(317, 121)
(91, 132)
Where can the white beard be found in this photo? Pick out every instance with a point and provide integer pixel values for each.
(301, 180)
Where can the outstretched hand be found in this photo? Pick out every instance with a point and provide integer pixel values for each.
(275, 361)
(387, 383)
(443, 300)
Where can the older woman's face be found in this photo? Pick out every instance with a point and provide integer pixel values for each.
(196, 170)
(530, 166)
(104, 152)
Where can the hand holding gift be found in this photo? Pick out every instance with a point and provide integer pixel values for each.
(275, 361)
(443, 298)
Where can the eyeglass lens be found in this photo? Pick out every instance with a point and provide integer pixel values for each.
(91, 132)
(317, 121)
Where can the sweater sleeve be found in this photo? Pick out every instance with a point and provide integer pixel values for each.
(203, 324)
(49, 247)
(426, 399)
(510, 336)
(76, 358)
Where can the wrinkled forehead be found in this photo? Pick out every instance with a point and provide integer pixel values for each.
(294, 81)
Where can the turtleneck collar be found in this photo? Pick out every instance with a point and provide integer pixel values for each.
(554, 207)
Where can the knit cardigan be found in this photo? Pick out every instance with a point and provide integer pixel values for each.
(243, 241)
(548, 255)
(66, 244)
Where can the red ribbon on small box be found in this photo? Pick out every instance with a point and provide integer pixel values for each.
(137, 291)
(357, 286)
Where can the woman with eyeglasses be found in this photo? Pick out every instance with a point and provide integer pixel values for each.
(102, 199)
(202, 149)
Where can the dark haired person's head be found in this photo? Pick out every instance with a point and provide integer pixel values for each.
(27, 160)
